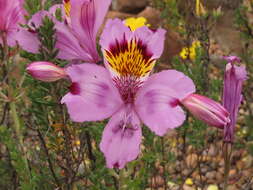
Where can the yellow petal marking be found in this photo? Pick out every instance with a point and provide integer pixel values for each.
(129, 59)
(67, 7)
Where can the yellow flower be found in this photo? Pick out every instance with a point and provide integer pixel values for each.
(199, 9)
(184, 53)
(191, 51)
(134, 23)
(196, 44)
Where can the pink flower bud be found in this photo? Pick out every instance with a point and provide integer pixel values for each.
(207, 110)
(232, 93)
(46, 71)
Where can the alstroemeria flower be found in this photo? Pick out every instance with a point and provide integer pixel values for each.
(125, 92)
(28, 37)
(11, 15)
(232, 97)
(76, 38)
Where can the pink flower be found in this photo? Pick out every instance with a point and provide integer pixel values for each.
(11, 15)
(76, 34)
(126, 93)
(76, 38)
(28, 37)
(207, 110)
(232, 97)
(46, 71)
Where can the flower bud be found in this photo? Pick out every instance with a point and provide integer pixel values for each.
(46, 71)
(232, 93)
(207, 110)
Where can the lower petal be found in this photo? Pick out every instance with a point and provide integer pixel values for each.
(121, 145)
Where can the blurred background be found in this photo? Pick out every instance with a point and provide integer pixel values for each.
(61, 154)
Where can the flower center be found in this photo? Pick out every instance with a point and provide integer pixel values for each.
(129, 58)
(128, 87)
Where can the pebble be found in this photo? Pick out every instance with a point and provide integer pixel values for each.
(212, 187)
(191, 160)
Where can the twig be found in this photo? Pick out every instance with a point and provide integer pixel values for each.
(43, 143)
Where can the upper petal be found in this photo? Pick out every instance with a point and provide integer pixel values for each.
(121, 145)
(153, 39)
(92, 95)
(157, 102)
(28, 40)
(68, 45)
(130, 53)
(86, 17)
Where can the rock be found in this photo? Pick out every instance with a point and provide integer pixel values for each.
(212, 187)
(172, 46)
(232, 187)
(173, 42)
(116, 14)
(225, 34)
(210, 175)
(232, 173)
(187, 187)
(191, 160)
(219, 177)
(129, 6)
(152, 15)
(171, 184)
(212, 151)
(248, 160)
(185, 172)
(157, 181)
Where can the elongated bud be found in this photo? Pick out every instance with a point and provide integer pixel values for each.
(46, 71)
(232, 93)
(207, 110)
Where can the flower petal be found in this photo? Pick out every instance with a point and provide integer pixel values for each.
(114, 30)
(68, 45)
(92, 95)
(153, 39)
(28, 40)
(86, 18)
(121, 145)
(157, 102)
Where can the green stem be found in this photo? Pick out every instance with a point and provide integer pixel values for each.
(16, 126)
(121, 179)
(227, 158)
(19, 135)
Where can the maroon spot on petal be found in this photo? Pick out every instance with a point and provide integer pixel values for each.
(75, 88)
(174, 103)
(116, 165)
(31, 31)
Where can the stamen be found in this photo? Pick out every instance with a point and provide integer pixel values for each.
(128, 87)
